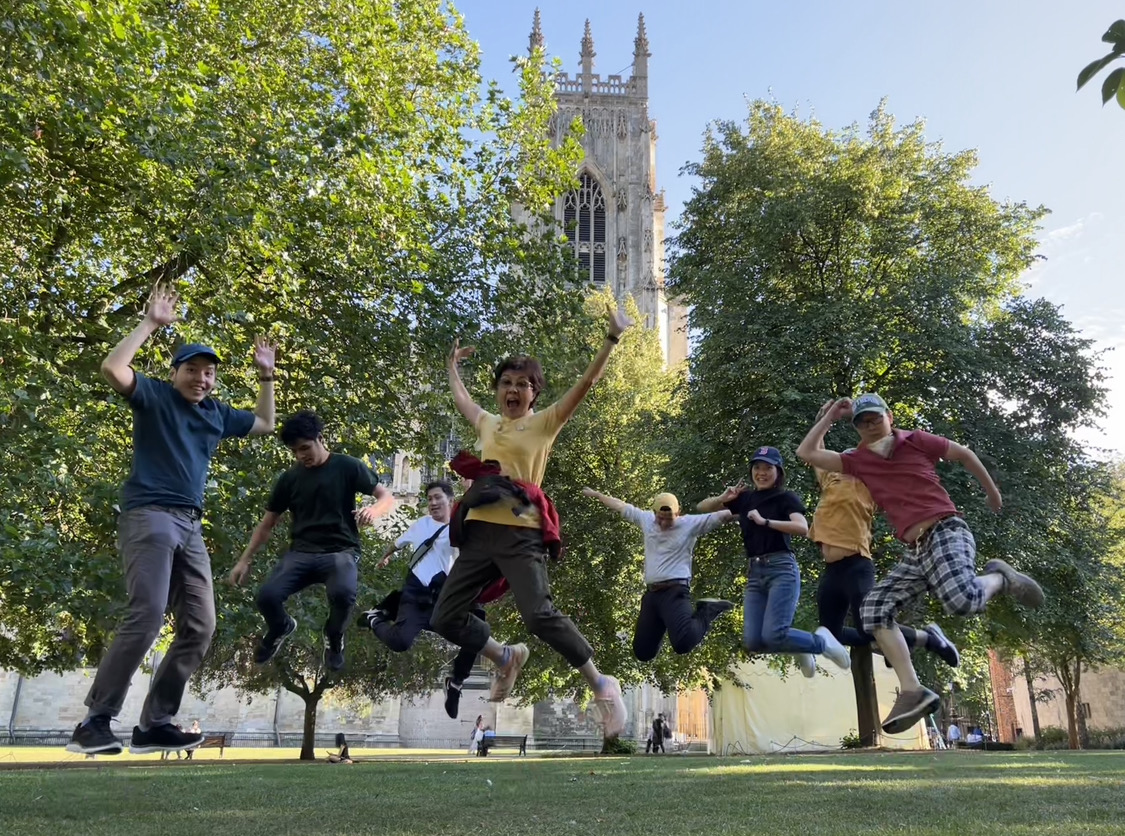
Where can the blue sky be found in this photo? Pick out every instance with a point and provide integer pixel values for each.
(994, 75)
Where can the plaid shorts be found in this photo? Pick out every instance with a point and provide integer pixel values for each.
(943, 562)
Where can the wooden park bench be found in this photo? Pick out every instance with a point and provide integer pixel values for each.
(491, 742)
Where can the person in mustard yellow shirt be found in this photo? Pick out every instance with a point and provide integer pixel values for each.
(505, 539)
(841, 528)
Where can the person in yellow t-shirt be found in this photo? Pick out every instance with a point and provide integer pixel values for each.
(497, 542)
(841, 527)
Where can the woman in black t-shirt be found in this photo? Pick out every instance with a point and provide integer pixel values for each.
(769, 516)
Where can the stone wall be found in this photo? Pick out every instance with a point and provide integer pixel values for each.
(1102, 690)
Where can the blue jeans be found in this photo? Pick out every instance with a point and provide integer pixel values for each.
(768, 606)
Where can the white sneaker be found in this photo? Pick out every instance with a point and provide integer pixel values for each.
(833, 649)
(807, 663)
(611, 706)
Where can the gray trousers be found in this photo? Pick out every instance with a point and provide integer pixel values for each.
(166, 565)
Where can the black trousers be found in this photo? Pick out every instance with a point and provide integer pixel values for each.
(844, 584)
(415, 608)
(339, 573)
(668, 609)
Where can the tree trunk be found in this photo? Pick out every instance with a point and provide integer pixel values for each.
(1031, 698)
(866, 700)
(1079, 715)
(1069, 683)
(308, 736)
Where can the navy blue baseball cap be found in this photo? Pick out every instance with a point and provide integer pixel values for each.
(187, 352)
(868, 402)
(769, 455)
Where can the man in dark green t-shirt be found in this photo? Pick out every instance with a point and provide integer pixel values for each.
(319, 492)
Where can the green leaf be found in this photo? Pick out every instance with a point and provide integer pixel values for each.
(1093, 68)
(1115, 35)
(1111, 83)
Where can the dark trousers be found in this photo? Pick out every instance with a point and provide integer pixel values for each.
(654, 744)
(487, 552)
(844, 584)
(339, 573)
(670, 609)
(415, 608)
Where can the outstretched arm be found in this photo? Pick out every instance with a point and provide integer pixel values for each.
(968, 459)
(811, 450)
(159, 311)
(384, 504)
(461, 398)
(617, 505)
(718, 503)
(565, 406)
(259, 538)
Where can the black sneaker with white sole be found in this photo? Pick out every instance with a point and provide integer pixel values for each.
(940, 645)
(909, 708)
(334, 653)
(369, 618)
(165, 738)
(270, 645)
(712, 608)
(452, 698)
(94, 737)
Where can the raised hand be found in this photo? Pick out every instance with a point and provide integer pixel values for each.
(994, 501)
(265, 355)
(161, 307)
(755, 516)
(732, 491)
(841, 409)
(827, 405)
(367, 515)
(619, 323)
(590, 492)
(457, 354)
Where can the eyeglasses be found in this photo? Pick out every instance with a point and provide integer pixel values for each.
(522, 385)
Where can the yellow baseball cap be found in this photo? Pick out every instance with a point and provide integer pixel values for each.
(666, 500)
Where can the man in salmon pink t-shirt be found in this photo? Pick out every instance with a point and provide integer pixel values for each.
(899, 469)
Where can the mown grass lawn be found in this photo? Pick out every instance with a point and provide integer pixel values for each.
(923, 793)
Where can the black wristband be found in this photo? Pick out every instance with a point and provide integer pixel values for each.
(269, 379)
(612, 339)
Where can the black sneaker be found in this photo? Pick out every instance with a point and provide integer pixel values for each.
(334, 653)
(712, 608)
(268, 647)
(940, 645)
(909, 708)
(369, 618)
(94, 738)
(452, 698)
(165, 738)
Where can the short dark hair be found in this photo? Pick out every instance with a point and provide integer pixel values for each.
(303, 426)
(446, 488)
(521, 363)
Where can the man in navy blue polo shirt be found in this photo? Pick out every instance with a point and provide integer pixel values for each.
(176, 428)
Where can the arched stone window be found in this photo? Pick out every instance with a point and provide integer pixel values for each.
(584, 219)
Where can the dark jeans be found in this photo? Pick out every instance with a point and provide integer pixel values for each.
(415, 608)
(487, 552)
(166, 565)
(654, 744)
(339, 573)
(768, 607)
(843, 585)
(668, 609)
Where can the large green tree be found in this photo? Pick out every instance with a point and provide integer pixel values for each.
(333, 173)
(821, 263)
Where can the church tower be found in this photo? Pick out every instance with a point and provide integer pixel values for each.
(615, 218)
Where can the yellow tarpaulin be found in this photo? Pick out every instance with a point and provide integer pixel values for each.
(795, 714)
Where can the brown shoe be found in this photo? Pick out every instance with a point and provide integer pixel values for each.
(1017, 584)
(909, 708)
(506, 676)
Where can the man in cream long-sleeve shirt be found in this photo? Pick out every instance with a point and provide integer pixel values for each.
(666, 606)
